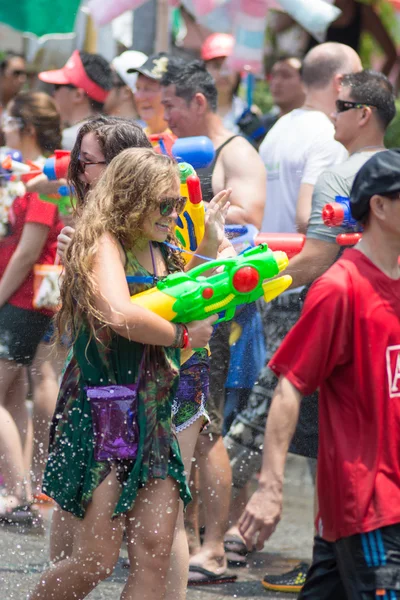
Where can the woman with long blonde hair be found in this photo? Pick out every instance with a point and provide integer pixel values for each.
(119, 346)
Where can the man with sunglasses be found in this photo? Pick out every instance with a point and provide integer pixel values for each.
(363, 111)
(347, 344)
(81, 88)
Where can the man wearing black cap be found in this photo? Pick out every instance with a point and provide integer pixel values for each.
(347, 344)
(148, 92)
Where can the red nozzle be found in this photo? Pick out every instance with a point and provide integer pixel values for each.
(348, 239)
(61, 165)
(291, 243)
(7, 163)
(194, 189)
(333, 214)
(245, 279)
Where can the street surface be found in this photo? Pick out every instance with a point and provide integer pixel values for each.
(24, 555)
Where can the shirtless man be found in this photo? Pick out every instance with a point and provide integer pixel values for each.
(189, 97)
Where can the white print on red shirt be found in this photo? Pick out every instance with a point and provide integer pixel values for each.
(393, 370)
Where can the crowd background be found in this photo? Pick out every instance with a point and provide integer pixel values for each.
(137, 85)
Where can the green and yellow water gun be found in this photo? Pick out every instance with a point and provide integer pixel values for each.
(189, 296)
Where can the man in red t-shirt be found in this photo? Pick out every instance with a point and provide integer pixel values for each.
(347, 344)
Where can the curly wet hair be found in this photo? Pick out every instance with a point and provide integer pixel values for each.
(127, 192)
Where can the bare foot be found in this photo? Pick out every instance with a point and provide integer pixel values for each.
(210, 560)
(8, 503)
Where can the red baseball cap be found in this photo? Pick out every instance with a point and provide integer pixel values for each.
(217, 45)
(73, 73)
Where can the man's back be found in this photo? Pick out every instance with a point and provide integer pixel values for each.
(296, 151)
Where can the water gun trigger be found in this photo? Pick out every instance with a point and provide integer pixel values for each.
(272, 289)
(227, 315)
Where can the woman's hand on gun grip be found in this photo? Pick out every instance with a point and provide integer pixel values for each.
(215, 216)
(201, 331)
(64, 240)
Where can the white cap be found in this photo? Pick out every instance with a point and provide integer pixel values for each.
(131, 59)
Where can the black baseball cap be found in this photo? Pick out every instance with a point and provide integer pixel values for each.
(154, 67)
(379, 175)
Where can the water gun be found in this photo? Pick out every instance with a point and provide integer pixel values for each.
(338, 213)
(12, 164)
(198, 151)
(249, 123)
(190, 224)
(55, 168)
(186, 297)
(291, 243)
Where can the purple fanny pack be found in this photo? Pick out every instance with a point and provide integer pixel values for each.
(115, 427)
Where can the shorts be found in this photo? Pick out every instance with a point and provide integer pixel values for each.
(245, 438)
(365, 566)
(192, 393)
(219, 367)
(21, 331)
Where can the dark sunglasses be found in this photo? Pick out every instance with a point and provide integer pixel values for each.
(344, 105)
(168, 205)
(86, 163)
(19, 73)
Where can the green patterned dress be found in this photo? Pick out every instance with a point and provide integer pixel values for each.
(72, 474)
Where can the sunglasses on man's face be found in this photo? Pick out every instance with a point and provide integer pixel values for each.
(344, 105)
(168, 205)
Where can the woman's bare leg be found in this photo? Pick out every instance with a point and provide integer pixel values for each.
(46, 371)
(150, 532)
(63, 525)
(179, 567)
(97, 543)
(11, 452)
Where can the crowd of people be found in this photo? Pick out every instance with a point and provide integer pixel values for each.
(211, 406)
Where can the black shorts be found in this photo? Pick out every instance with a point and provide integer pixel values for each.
(21, 331)
(360, 567)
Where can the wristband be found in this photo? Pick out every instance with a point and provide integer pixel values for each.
(186, 340)
(178, 339)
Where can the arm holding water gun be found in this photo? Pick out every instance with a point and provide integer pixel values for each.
(190, 296)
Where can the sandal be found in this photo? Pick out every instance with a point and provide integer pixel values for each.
(23, 514)
(200, 576)
(236, 551)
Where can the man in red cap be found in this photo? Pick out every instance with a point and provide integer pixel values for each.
(80, 90)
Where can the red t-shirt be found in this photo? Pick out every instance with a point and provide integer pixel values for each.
(29, 209)
(347, 344)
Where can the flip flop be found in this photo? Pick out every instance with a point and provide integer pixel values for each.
(205, 577)
(24, 514)
(236, 551)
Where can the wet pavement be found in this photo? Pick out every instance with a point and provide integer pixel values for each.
(24, 555)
